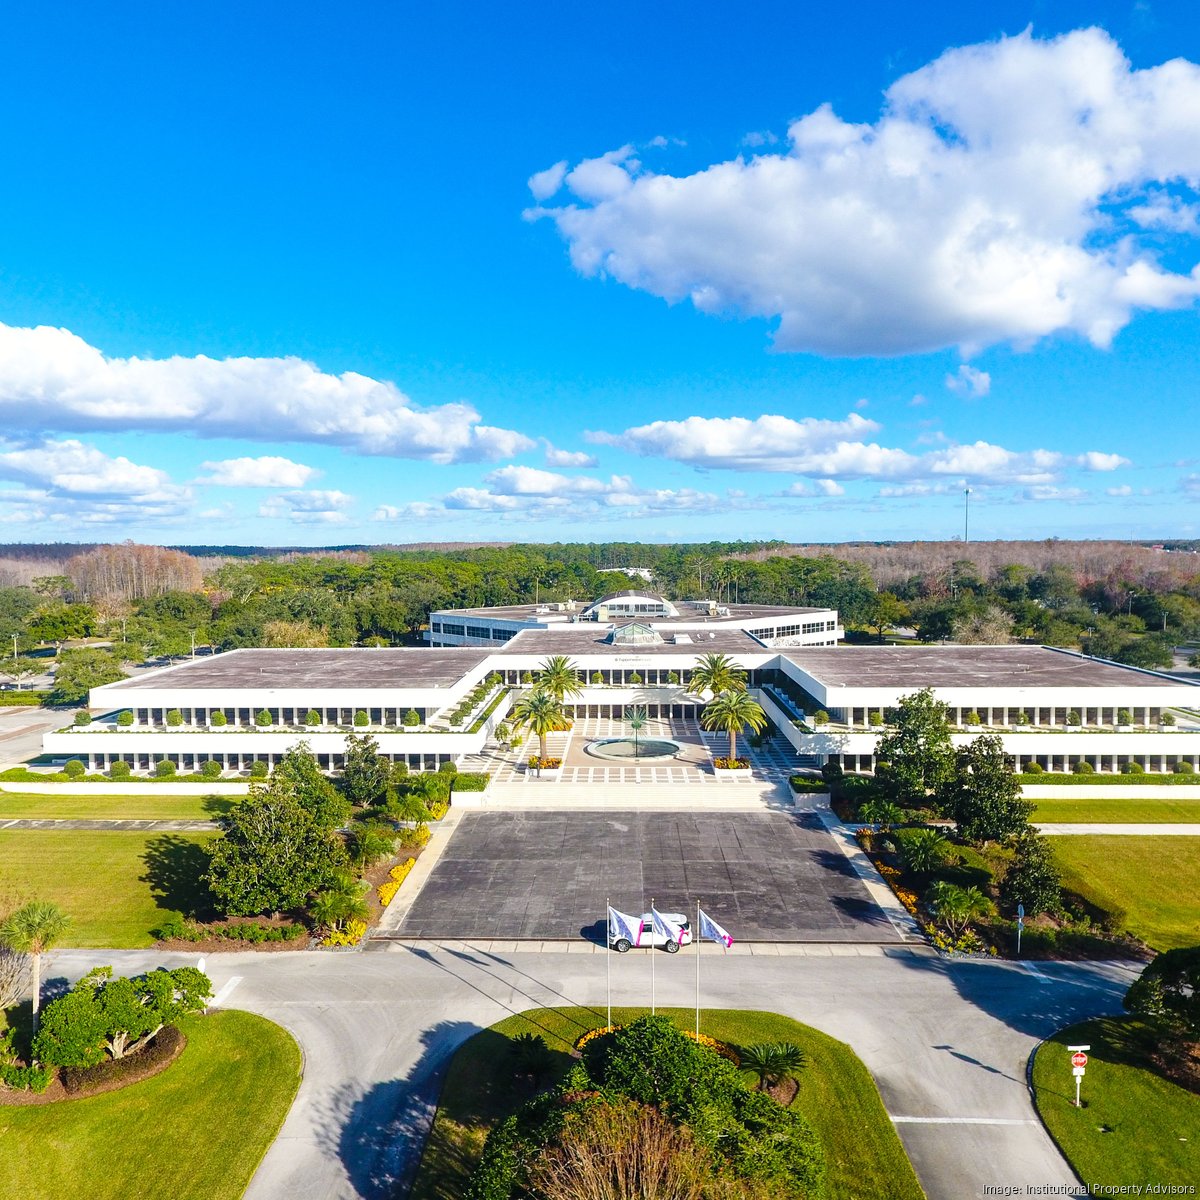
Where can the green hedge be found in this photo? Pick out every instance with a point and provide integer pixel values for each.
(807, 783)
(1065, 779)
(15, 699)
(470, 781)
(24, 775)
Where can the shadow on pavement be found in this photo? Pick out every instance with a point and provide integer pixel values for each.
(378, 1135)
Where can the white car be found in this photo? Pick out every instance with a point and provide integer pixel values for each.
(652, 938)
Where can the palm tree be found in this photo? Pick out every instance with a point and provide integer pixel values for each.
(635, 718)
(956, 907)
(923, 851)
(717, 673)
(732, 712)
(883, 813)
(33, 929)
(559, 676)
(772, 1061)
(540, 713)
(341, 903)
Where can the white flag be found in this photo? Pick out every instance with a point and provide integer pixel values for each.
(622, 925)
(665, 928)
(711, 930)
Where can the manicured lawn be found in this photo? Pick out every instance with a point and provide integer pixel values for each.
(864, 1156)
(116, 887)
(145, 805)
(1153, 879)
(1135, 1128)
(196, 1132)
(1097, 810)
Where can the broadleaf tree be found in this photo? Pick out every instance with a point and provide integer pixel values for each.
(915, 758)
(985, 797)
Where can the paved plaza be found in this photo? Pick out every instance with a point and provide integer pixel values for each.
(774, 877)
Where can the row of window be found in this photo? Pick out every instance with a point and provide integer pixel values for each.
(783, 631)
(483, 632)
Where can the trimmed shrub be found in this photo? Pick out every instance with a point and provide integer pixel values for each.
(264, 718)
(120, 770)
(210, 769)
(1083, 767)
(165, 769)
(1022, 717)
(672, 676)
(597, 678)
(972, 718)
(471, 781)
(174, 718)
(1133, 768)
(1073, 718)
(74, 769)
(312, 718)
(259, 770)
(1183, 768)
(83, 717)
(412, 719)
(635, 679)
(1167, 718)
(820, 717)
(217, 719)
(449, 767)
(361, 719)
(1035, 768)
(125, 718)
(1124, 717)
(875, 719)
(166, 1044)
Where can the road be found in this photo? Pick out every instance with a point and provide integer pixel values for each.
(21, 731)
(947, 1042)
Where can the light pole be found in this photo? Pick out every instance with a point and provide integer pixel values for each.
(14, 651)
(966, 514)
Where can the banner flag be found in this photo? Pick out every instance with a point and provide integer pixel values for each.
(622, 925)
(711, 930)
(665, 928)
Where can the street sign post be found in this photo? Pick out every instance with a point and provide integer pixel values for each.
(1020, 926)
(1079, 1060)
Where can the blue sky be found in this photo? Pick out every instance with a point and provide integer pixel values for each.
(315, 274)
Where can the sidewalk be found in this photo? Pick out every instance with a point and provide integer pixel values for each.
(1133, 830)
(141, 826)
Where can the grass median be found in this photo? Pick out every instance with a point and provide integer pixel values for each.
(141, 806)
(195, 1132)
(1151, 880)
(115, 886)
(837, 1095)
(1136, 1128)
(1104, 810)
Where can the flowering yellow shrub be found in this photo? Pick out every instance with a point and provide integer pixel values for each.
(350, 936)
(725, 1051)
(387, 892)
(438, 809)
(400, 872)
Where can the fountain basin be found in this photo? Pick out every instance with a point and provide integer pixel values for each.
(622, 749)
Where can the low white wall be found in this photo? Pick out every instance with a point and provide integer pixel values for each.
(1115, 791)
(130, 787)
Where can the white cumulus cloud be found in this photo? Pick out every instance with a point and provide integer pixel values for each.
(568, 458)
(967, 381)
(267, 471)
(52, 380)
(308, 507)
(983, 206)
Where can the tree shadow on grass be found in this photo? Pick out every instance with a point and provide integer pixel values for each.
(175, 868)
(218, 806)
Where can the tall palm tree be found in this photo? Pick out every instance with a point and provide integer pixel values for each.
(717, 673)
(33, 929)
(772, 1061)
(540, 713)
(635, 718)
(559, 676)
(732, 712)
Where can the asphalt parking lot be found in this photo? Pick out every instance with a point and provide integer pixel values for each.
(765, 876)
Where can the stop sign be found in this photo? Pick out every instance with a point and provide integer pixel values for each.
(1079, 1060)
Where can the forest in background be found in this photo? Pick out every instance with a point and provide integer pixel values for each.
(1123, 601)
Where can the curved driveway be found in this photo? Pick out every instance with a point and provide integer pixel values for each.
(947, 1042)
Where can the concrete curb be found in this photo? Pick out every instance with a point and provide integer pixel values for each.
(410, 889)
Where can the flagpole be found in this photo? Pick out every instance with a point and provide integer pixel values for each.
(696, 939)
(653, 934)
(608, 953)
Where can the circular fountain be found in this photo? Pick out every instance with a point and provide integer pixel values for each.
(626, 749)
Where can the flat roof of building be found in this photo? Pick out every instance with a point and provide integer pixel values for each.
(388, 667)
(588, 638)
(965, 666)
(687, 613)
